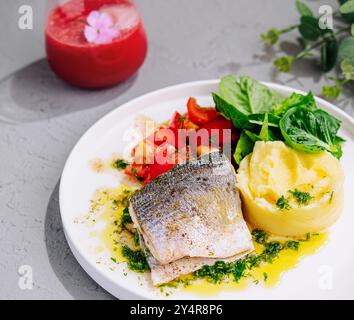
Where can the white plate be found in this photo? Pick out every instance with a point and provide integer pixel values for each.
(327, 274)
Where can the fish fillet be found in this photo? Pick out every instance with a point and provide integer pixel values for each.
(161, 274)
(192, 211)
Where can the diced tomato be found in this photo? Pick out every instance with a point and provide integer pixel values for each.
(166, 157)
(171, 136)
(200, 115)
(176, 121)
(187, 136)
(182, 122)
(157, 169)
(137, 170)
(188, 124)
(216, 131)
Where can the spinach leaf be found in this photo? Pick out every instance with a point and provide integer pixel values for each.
(247, 95)
(239, 120)
(244, 147)
(295, 100)
(258, 119)
(264, 134)
(311, 131)
(247, 140)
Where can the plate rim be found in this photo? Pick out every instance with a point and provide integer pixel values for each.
(90, 268)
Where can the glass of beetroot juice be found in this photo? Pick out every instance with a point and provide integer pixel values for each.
(95, 43)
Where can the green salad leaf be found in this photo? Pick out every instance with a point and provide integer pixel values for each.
(262, 115)
(258, 119)
(264, 135)
(238, 119)
(311, 131)
(295, 100)
(247, 140)
(247, 95)
(244, 147)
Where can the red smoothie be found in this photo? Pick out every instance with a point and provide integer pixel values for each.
(94, 65)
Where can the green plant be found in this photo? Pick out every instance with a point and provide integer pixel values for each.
(335, 46)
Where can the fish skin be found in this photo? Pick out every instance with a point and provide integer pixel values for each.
(193, 210)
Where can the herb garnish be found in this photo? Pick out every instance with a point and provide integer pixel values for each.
(123, 199)
(293, 245)
(259, 236)
(240, 268)
(126, 218)
(134, 172)
(265, 276)
(120, 164)
(283, 204)
(331, 197)
(136, 259)
(302, 198)
(136, 237)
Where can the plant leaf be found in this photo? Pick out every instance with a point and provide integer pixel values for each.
(331, 92)
(309, 28)
(238, 119)
(352, 30)
(346, 48)
(264, 134)
(284, 64)
(247, 95)
(303, 9)
(258, 118)
(329, 54)
(244, 147)
(347, 10)
(295, 100)
(271, 37)
(347, 67)
(310, 131)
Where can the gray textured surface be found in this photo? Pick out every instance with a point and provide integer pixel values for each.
(41, 118)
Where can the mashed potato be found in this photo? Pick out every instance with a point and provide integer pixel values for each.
(290, 193)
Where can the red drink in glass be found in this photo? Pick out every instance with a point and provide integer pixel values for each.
(94, 65)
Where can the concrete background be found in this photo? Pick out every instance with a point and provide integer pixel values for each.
(41, 118)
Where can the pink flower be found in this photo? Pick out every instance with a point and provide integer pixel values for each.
(100, 28)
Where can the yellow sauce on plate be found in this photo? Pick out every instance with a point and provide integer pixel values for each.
(287, 259)
(268, 274)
